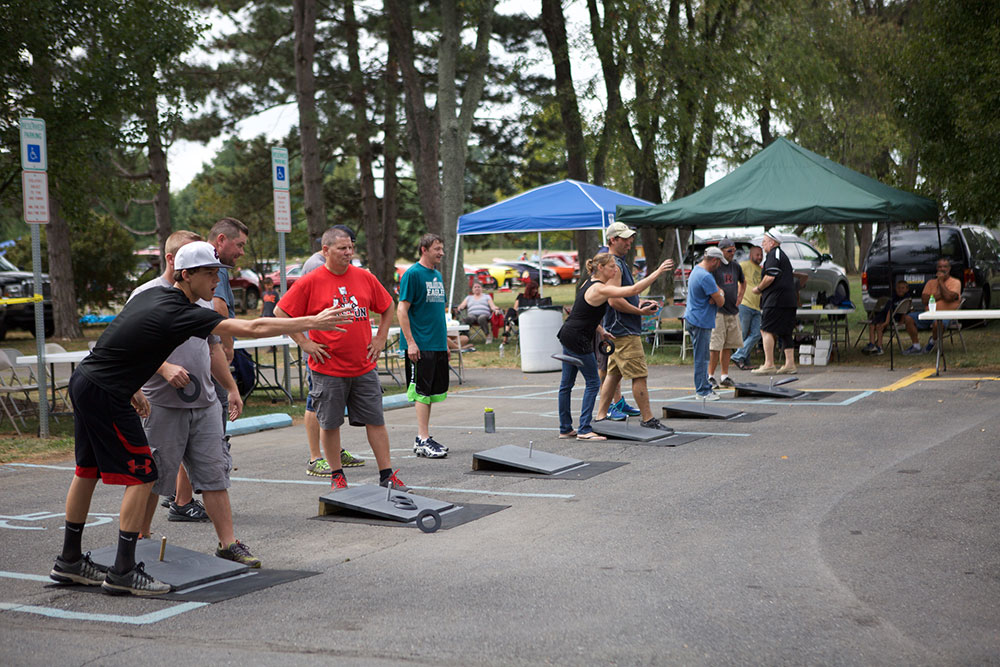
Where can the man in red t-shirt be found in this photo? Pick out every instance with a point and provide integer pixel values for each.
(343, 364)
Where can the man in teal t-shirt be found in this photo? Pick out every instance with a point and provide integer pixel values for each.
(421, 315)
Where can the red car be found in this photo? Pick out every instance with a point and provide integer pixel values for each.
(292, 273)
(246, 289)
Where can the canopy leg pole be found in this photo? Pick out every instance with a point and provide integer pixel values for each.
(454, 268)
(541, 283)
(680, 259)
(892, 290)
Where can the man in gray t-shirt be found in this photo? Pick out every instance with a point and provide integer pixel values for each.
(184, 426)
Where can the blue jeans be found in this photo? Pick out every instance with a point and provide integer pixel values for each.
(750, 326)
(700, 338)
(590, 391)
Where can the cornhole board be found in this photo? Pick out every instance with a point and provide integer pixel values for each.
(698, 410)
(771, 390)
(512, 457)
(625, 431)
(180, 567)
(381, 502)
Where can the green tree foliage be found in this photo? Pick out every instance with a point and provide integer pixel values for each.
(103, 260)
(950, 74)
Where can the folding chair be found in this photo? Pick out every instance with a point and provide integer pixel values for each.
(59, 380)
(902, 308)
(872, 319)
(672, 313)
(12, 383)
(955, 327)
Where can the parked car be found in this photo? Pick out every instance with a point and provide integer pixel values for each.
(528, 271)
(292, 273)
(503, 276)
(566, 272)
(17, 284)
(973, 250)
(482, 275)
(823, 275)
(246, 289)
(568, 257)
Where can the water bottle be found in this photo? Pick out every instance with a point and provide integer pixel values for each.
(490, 420)
(932, 304)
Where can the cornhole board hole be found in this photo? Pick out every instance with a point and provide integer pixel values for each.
(770, 390)
(698, 410)
(381, 502)
(512, 457)
(625, 431)
(180, 567)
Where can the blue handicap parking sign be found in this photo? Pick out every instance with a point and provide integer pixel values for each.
(34, 153)
(280, 171)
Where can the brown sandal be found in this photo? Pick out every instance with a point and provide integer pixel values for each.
(566, 436)
(590, 436)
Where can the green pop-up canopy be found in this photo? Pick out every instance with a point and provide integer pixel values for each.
(785, 184)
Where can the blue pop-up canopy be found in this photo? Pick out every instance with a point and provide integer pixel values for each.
(564, 205)
(561, 206)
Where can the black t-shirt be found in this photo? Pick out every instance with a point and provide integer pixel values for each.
(577, 332)
(728, 277)
(141, 338)
(781, 293)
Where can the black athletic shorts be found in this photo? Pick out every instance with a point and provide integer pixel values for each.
(110, 441)
(780, 322)
(430, 384)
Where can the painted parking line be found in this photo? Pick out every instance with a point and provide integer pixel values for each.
(909, 379)
(310, 482)
(141, 619)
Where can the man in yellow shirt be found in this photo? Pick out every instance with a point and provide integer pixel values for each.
(749, 309)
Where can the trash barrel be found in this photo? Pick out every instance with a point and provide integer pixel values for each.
(537, 329)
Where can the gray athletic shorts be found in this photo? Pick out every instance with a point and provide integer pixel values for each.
(362, 396)
(192, 435)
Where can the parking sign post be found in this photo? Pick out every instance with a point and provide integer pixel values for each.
(35, 191)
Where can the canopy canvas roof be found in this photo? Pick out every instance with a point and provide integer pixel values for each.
(564, 205)
(785, 184)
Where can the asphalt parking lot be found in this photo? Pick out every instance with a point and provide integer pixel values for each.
(859, 526)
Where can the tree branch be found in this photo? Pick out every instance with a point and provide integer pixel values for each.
(100, 202)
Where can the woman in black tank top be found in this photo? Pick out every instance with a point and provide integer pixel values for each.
(577, 336)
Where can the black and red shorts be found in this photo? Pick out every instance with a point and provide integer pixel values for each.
(110, 441)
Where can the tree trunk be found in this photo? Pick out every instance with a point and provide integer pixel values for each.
(390, 182)
(304, 12)
(864, 236)
(835, 239)
(64, 312)
(160, 175)
(455, 128)
(554, 27)
(421, 122)
(362, 134)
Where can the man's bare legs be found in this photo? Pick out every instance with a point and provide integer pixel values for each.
(312, 435)
(378, 439)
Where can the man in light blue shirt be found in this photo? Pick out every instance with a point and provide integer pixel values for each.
(705, 297)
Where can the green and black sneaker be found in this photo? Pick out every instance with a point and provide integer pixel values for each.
(319, 468)
(348, 460)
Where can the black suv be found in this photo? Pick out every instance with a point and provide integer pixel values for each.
(15, 284)
(973, 250)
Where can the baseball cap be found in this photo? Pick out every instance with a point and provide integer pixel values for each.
(772, 237)
(726, 243)
(198, 254)
(718, 254)
(620, 230)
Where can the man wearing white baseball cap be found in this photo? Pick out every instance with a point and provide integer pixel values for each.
(623, 320)
(108, 403)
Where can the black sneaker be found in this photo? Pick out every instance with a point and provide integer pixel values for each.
(727, 382)
(166, 501)
(192, 512)
(83, 571)
(135, 581)
(712, 382)
(655, 424)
